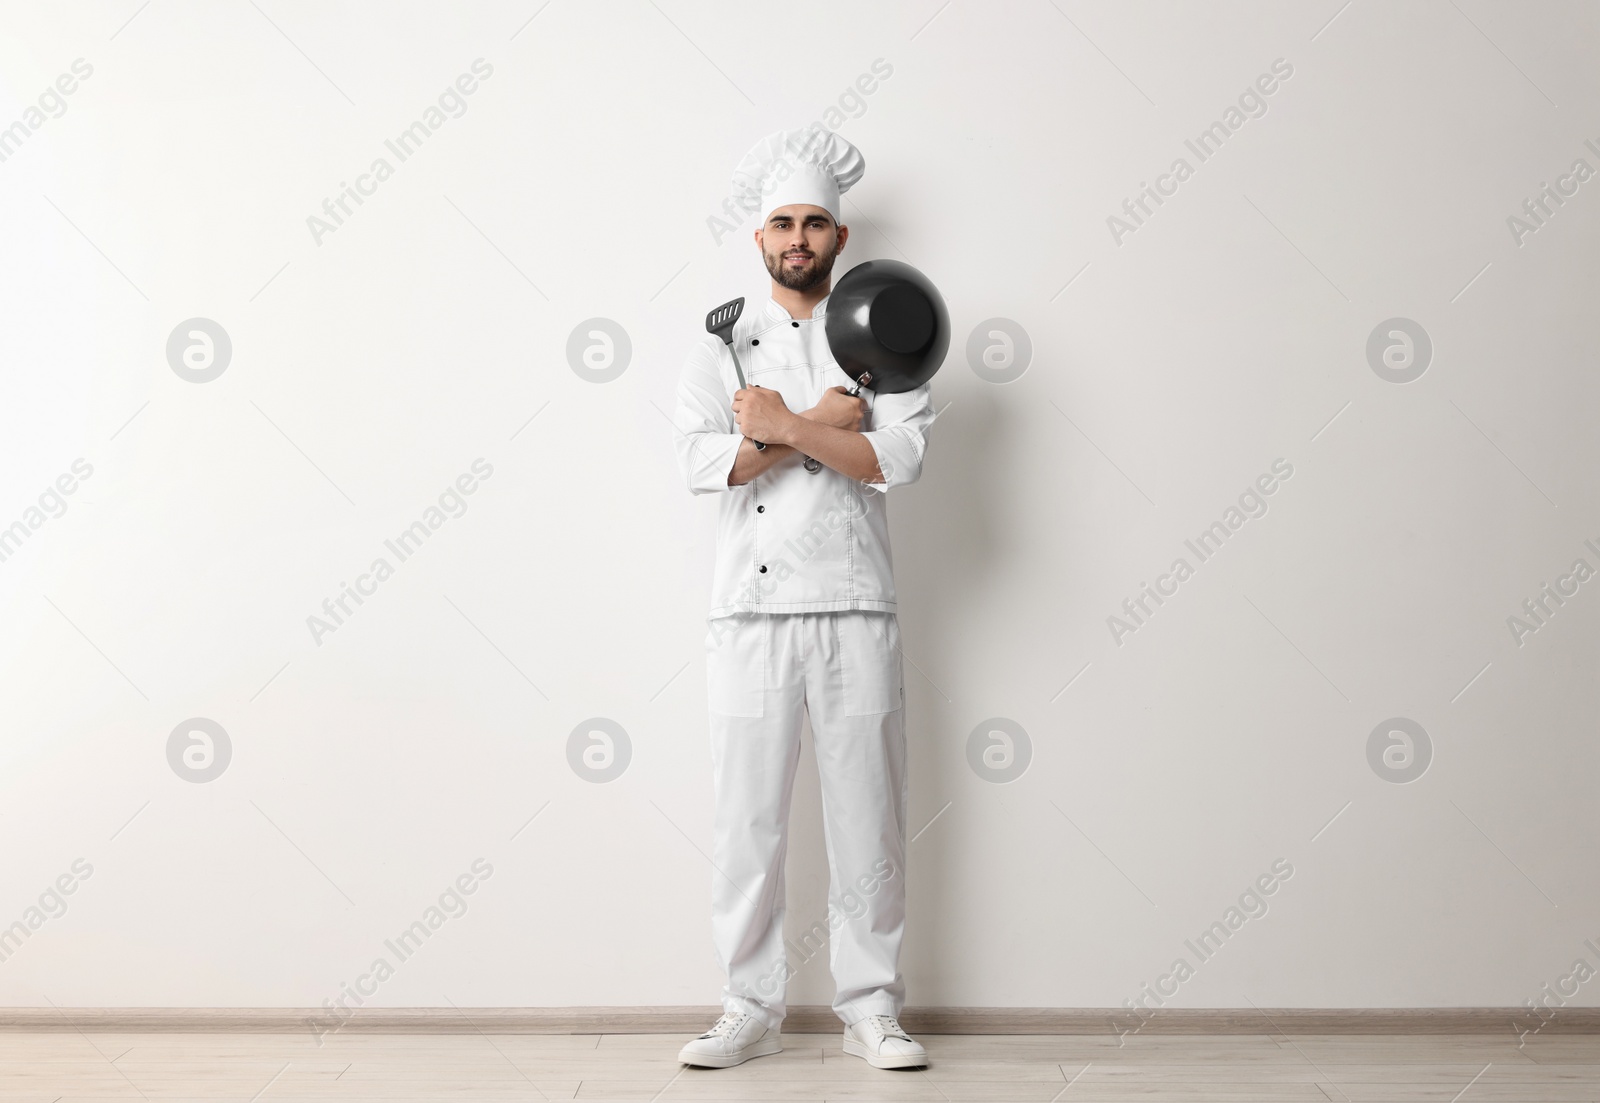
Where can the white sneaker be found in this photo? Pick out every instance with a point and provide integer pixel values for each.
(735, 1038)
(880, 1042)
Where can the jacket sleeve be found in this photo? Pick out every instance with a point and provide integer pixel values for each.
(705, 435)
(899, 435)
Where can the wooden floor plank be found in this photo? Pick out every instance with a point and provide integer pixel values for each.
(402, 1068)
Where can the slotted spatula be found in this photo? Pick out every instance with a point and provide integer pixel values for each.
(720, 322)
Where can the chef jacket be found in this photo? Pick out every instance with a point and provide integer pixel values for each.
(793, 540)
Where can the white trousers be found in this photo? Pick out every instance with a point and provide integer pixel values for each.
(844, 669)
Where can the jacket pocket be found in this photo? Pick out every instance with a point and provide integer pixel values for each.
(870, 662)
(736, 665)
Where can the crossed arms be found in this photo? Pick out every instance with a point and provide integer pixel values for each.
(829, 433)
(715, 440)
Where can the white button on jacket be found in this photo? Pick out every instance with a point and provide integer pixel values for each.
(792, 540)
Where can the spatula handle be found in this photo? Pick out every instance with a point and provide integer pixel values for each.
(739, 371)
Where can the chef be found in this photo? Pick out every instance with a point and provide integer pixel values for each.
(802, 620)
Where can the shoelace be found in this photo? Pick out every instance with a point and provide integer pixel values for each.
(728, 1024)
(887, 1026)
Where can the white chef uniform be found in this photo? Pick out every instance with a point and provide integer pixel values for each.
(802, 619)
(794, 541)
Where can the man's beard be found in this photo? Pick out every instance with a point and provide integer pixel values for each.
(804, 279)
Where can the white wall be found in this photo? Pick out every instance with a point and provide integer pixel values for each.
(370, 369)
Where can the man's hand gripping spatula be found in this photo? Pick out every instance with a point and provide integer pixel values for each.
(720, 322)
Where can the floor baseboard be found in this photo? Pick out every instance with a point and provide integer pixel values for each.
(800, 1020)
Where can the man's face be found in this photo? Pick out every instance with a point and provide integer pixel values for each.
(799, 244)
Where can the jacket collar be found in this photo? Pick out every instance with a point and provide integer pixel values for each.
(775, 312)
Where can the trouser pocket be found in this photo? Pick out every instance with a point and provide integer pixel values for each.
(736, 664)
(870, 664)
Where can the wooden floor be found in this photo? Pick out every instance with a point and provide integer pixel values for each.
(62, 1068)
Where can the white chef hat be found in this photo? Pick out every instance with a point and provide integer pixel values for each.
(813, 165)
